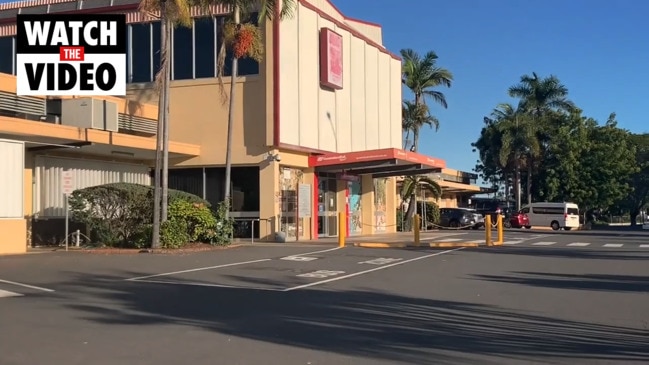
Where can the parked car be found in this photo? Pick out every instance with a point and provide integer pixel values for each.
(460, 217)
(494, 207)
(519, 220)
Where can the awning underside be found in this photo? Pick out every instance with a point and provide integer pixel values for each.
(382, 168)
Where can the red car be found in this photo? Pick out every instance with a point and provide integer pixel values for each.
(519, 220)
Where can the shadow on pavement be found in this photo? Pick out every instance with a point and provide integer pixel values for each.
(593, 282)
(361, 323)
(563, 252)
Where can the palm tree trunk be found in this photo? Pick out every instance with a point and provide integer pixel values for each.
(415, 139)
(155, 235)
(405, 143)
(233, 85)
(410, 214)
(517, 185)
(165, 139)
(529, 182)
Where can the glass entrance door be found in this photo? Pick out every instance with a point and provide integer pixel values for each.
(327, 207)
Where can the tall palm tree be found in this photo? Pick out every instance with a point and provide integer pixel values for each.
(234, 34)
(539, 96)
(518, 141)
(411, 187)
(179, 12)
(415, 116)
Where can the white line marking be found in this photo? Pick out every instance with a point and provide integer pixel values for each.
(613, 245)
(197, 269)
(320, 274)
(644, 246)
(27, 286)
(380, 261)
(370, 270)
(543, 243)
(579, 244)
(314, 252)
(8, 294)
(299, 258)
(191, 283)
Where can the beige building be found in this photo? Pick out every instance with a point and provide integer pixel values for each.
(317, 129)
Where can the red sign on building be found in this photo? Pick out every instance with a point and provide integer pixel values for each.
(331, 59)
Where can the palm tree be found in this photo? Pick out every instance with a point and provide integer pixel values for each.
(245, 41)
(416, 116)
(539, 96)
(421, 75)
(179, 12)
(518, 141)
(411, 187)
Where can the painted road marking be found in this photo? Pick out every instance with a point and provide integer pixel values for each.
(314, 252)
(579, 244)
(8, 294)
(543, 243)
(299, 258)
(380, 261)
(371, 270)
(644, 246)
(197, 269)
(209, 285)
(321, 274)
(442, 239)
(26, 286)
(511, 242)
(613, 245)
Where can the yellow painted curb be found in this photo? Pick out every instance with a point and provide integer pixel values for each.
(380, 245)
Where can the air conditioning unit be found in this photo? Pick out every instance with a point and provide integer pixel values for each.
(89, 113)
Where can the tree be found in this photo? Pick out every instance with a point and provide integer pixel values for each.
(244, 41)
(638, 199)
(538, 97)
(170, 12)
(422, 75)
(416, 116)
(411, 187)
(518, 142)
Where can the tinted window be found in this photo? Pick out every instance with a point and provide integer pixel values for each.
(155, 39)
(547, 210)
(573, 211)
(141, 52)
(6, 55)
(183, 53)
(205, 47)
(525, 210)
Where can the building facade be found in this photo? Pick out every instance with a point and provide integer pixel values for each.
(317, 129)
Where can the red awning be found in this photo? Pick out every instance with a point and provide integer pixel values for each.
(380, 163)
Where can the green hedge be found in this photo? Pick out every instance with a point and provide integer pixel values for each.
(432, 214)
(121, 215)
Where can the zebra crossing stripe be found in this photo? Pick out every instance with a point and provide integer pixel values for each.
(579, 244)
(543, 243)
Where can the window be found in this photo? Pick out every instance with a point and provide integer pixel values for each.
(187, 180)
(525, 210)
(141, 52)
(573, 211)
(246, 66)
(205, 47)
(183, 53)
(245, 187)
(155, 39)
(7, 55)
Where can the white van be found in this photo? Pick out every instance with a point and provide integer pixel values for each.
(555, 215)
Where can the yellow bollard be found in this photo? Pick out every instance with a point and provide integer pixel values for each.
(501, 230)
(342, 229)
(487, 230)
(416, 229)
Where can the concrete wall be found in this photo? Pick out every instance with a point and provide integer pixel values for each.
(364, 115)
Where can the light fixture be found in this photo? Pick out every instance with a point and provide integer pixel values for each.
(272, 157)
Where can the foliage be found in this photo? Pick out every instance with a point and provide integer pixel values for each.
(638, 198)
(120, 215)
(565, 156)
(414, 117)
(432, 212)
(411, 188)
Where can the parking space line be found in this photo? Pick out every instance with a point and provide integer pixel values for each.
(579, 244)
(314, 252)
(644, 246)
(543, 243)
(613, 245)
(197, 269)
(304, 286)
(26, 286)
(8, 294)
(209, 285)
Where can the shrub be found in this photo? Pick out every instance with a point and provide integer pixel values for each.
(120, 214)
(195, 222)
(432, 212)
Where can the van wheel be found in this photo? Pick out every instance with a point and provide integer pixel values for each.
(555, 226)
(528, 227)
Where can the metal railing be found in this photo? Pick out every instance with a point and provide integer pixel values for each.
(245, 228)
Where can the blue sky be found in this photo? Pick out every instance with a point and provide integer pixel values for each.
(598, 49)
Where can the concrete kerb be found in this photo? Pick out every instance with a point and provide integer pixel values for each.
(422, 245)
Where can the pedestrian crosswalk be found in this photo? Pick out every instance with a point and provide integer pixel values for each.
(524, 242)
